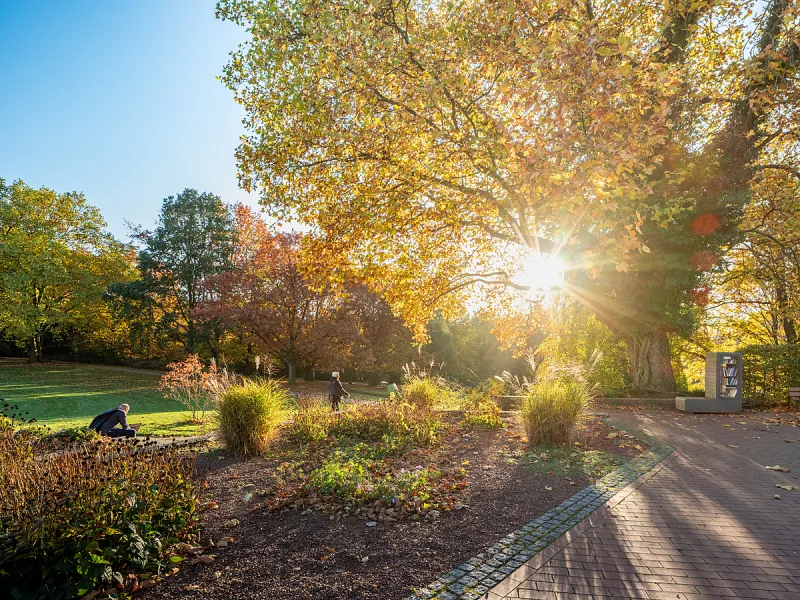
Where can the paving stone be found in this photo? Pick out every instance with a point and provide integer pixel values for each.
(703, 526)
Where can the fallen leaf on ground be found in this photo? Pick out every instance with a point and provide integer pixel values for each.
(733, 445)
(778, 468)
(788, 488)
(548, 488)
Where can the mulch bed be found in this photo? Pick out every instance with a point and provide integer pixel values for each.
(293, 554)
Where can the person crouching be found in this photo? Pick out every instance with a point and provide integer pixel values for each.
(107, 423)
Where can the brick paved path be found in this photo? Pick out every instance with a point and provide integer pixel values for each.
(706, 525)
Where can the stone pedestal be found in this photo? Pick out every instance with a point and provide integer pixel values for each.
(708, 405)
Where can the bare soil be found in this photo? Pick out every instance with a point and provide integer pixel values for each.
(293, 554)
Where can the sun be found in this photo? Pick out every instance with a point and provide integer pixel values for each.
(542, 273)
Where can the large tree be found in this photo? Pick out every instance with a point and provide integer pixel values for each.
(55, 260)
(193, 240)
(434, 147)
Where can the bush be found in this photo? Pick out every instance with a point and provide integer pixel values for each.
(551, 408)
(195, 386)
(250, 414)
(484, 413)
(389, 423)
(769, 372)
(421, 392)
(76, 519)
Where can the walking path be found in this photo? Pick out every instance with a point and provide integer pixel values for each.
(704, 524)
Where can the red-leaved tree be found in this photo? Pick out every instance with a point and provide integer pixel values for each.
(266, 298)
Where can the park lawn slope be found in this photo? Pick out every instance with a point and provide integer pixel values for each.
(70, 395)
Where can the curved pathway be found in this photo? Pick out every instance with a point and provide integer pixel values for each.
(704, 524)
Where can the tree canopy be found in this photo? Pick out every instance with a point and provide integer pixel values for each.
(194, 239)
(434, 146)
(55, 261)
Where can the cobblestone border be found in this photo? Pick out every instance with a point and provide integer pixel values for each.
(473, 579)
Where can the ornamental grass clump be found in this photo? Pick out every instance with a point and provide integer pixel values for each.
(552, 408)
(250, 414)
(420, 392)
(85, 516)
(554, 398)
(424, 389)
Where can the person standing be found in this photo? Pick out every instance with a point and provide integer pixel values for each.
(336, 391)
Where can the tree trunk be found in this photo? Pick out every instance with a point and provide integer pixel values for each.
(789, 330)
(30, 348)
(292, 366)
(191, 337)
(650, 363)
(34, 348)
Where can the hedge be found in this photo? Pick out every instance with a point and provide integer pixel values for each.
(769, 372)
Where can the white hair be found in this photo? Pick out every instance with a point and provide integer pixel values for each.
(335, 374)
(124, 407)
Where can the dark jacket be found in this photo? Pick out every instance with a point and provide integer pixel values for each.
(118, 417)
(335, 388)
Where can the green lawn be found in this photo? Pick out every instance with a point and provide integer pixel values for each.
(63, 395)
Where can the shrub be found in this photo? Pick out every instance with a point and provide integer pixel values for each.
(195, 386)
(392, 424)
(75, 435)
(551, 408)
(73, 520)
(483, 413)
(250, 414)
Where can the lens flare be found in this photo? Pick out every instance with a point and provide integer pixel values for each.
(542, 273)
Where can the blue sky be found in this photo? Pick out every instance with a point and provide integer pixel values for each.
(118, 100)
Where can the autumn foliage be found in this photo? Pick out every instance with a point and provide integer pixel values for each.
(194, 385)
(436, 148)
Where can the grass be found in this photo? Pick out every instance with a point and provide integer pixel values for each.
(64, 395)
(552, 408)
(564, 461)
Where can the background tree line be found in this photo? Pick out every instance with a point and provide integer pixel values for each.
(209, 279)
(218, 281)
